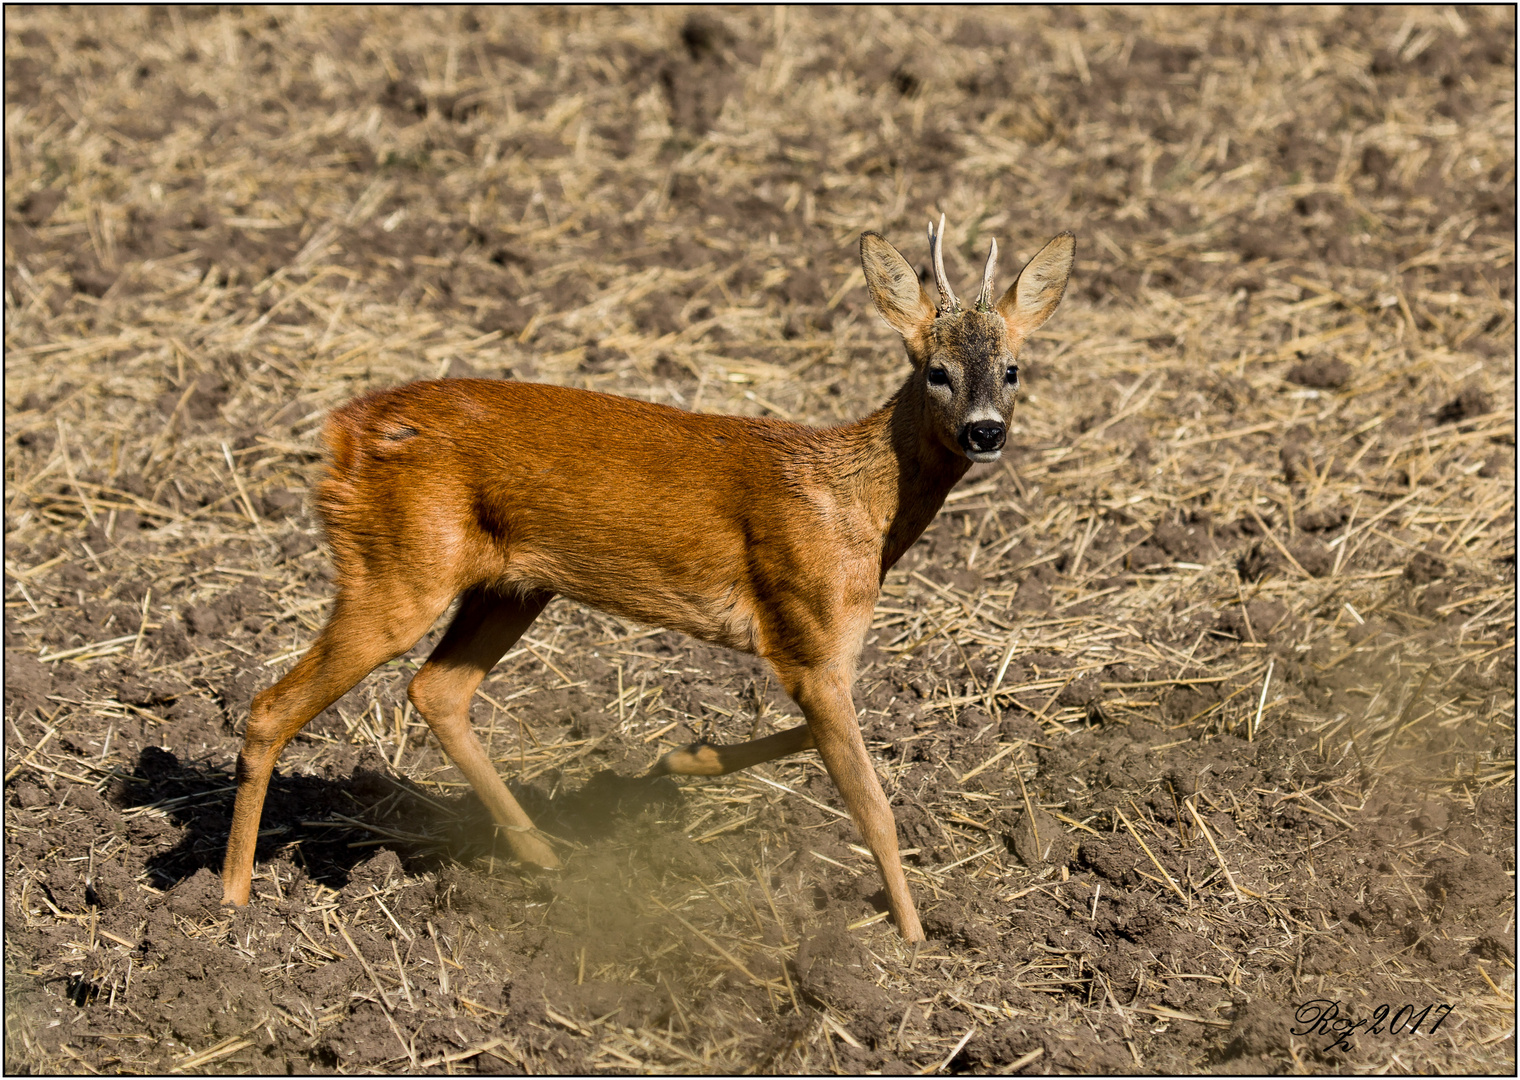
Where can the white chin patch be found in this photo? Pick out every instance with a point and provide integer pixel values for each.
(982, 457)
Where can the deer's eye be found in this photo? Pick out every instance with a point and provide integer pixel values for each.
(938, 376)
(1011, 376)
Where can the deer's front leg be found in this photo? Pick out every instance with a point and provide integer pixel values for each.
(824, 694)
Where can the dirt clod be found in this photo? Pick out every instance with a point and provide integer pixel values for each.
(37, 207)
(1471, 402)
(1320, 373)
(1424, 568)
(1260, 1029)
(1470, 884)
(1037, 842)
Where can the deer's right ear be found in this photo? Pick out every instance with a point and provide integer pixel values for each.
(895, 288)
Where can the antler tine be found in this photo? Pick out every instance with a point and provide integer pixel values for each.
(984, 300)
(948, 301)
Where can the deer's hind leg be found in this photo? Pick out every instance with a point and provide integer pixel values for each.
(709, 759)
(369, 624)
(484, 628)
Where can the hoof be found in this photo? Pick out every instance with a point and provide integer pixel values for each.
(536, 853)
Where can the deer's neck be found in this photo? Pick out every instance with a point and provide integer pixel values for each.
(904, 472)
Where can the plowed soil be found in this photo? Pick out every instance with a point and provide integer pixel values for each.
(1194, 710)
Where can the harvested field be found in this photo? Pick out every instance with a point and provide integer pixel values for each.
(1196, 708)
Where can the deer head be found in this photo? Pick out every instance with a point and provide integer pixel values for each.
(965, 359)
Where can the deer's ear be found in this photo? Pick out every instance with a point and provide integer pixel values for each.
(1031, 299)
(895, 288)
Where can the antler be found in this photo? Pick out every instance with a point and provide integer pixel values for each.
(984, 298)
(948, 301)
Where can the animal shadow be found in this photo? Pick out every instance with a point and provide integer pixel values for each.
(330, 824)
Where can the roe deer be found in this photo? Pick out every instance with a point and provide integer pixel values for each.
(757, 534)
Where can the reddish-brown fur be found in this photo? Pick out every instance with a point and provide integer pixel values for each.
(761, 535)
(527, 490)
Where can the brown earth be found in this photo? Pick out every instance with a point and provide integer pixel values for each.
(1233, 620)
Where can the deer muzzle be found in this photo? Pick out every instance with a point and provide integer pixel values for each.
(982, 440)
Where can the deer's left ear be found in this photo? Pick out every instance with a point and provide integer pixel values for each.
(1031, 299)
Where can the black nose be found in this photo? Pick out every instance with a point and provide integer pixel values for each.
(984, 435)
